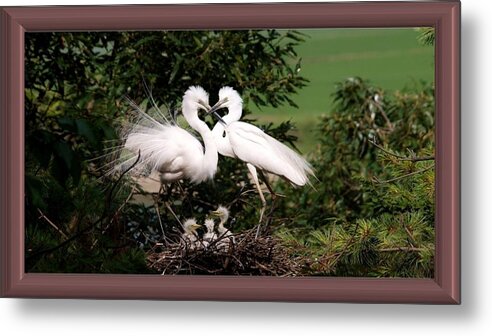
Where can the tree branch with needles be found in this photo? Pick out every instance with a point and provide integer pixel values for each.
(401, 157)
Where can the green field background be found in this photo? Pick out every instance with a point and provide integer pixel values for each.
(390, 58)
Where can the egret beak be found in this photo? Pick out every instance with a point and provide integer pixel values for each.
(204, 106)
(216, 115)
(215, 213)
(218, 105)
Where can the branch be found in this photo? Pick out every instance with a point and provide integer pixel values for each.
(375, 179)
(401, 157)
(43, 216)
(65, 242)
(401, 249)
(110, 195)
(388, 122)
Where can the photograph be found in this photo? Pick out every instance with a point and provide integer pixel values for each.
(253, 152)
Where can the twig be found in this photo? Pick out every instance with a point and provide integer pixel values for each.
(345, 248)
(113, 187)
(111, 221)
(388, 122)
(156, 206)
(110, 198)
(412, 239)
(375, 179)
(401, 157)
(401, 249)
(67, 241)
(172, 212)
(43, 216)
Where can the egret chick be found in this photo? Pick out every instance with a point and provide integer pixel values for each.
(210, 235)
(224, 234)
(223, 214)
(190, 236)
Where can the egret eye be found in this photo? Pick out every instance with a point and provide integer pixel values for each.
(203, 105)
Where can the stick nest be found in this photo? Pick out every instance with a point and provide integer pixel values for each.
(240, 255)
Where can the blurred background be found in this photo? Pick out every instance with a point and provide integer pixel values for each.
(390, 58)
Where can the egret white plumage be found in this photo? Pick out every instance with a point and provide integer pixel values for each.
(257, 149)
(223, 214)
(170, 150)
(210, 235)
(190, 236)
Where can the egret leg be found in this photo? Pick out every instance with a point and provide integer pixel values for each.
(156, 206)
(252, 170)
(269, 187)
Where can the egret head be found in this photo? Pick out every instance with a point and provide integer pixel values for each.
(227, 97)
(209, 224)
(190, 225)
(195, 98)
(222, 212)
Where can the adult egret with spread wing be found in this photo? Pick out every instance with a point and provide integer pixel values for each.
(170, 150)
(250, 144)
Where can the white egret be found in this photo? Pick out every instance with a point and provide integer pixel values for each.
(190, 236)
(257, 149)
(170, 150)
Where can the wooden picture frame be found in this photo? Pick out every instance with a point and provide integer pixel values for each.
(444, 288)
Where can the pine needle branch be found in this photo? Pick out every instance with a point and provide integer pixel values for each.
(375, 179)
(401, 157)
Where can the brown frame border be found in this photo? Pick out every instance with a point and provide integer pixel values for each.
(443, 15)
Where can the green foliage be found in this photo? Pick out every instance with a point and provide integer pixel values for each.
(346, 155)
(372, 212)
(396, 240)
(427, 35)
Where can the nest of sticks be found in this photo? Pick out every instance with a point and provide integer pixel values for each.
(238, 254)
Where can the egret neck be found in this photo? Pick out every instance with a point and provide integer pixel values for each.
(211, 156)
(220, 130)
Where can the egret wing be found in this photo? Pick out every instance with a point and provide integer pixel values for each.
(252, 145)
(164, 148)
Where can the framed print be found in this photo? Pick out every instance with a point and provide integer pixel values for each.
(245, 152)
